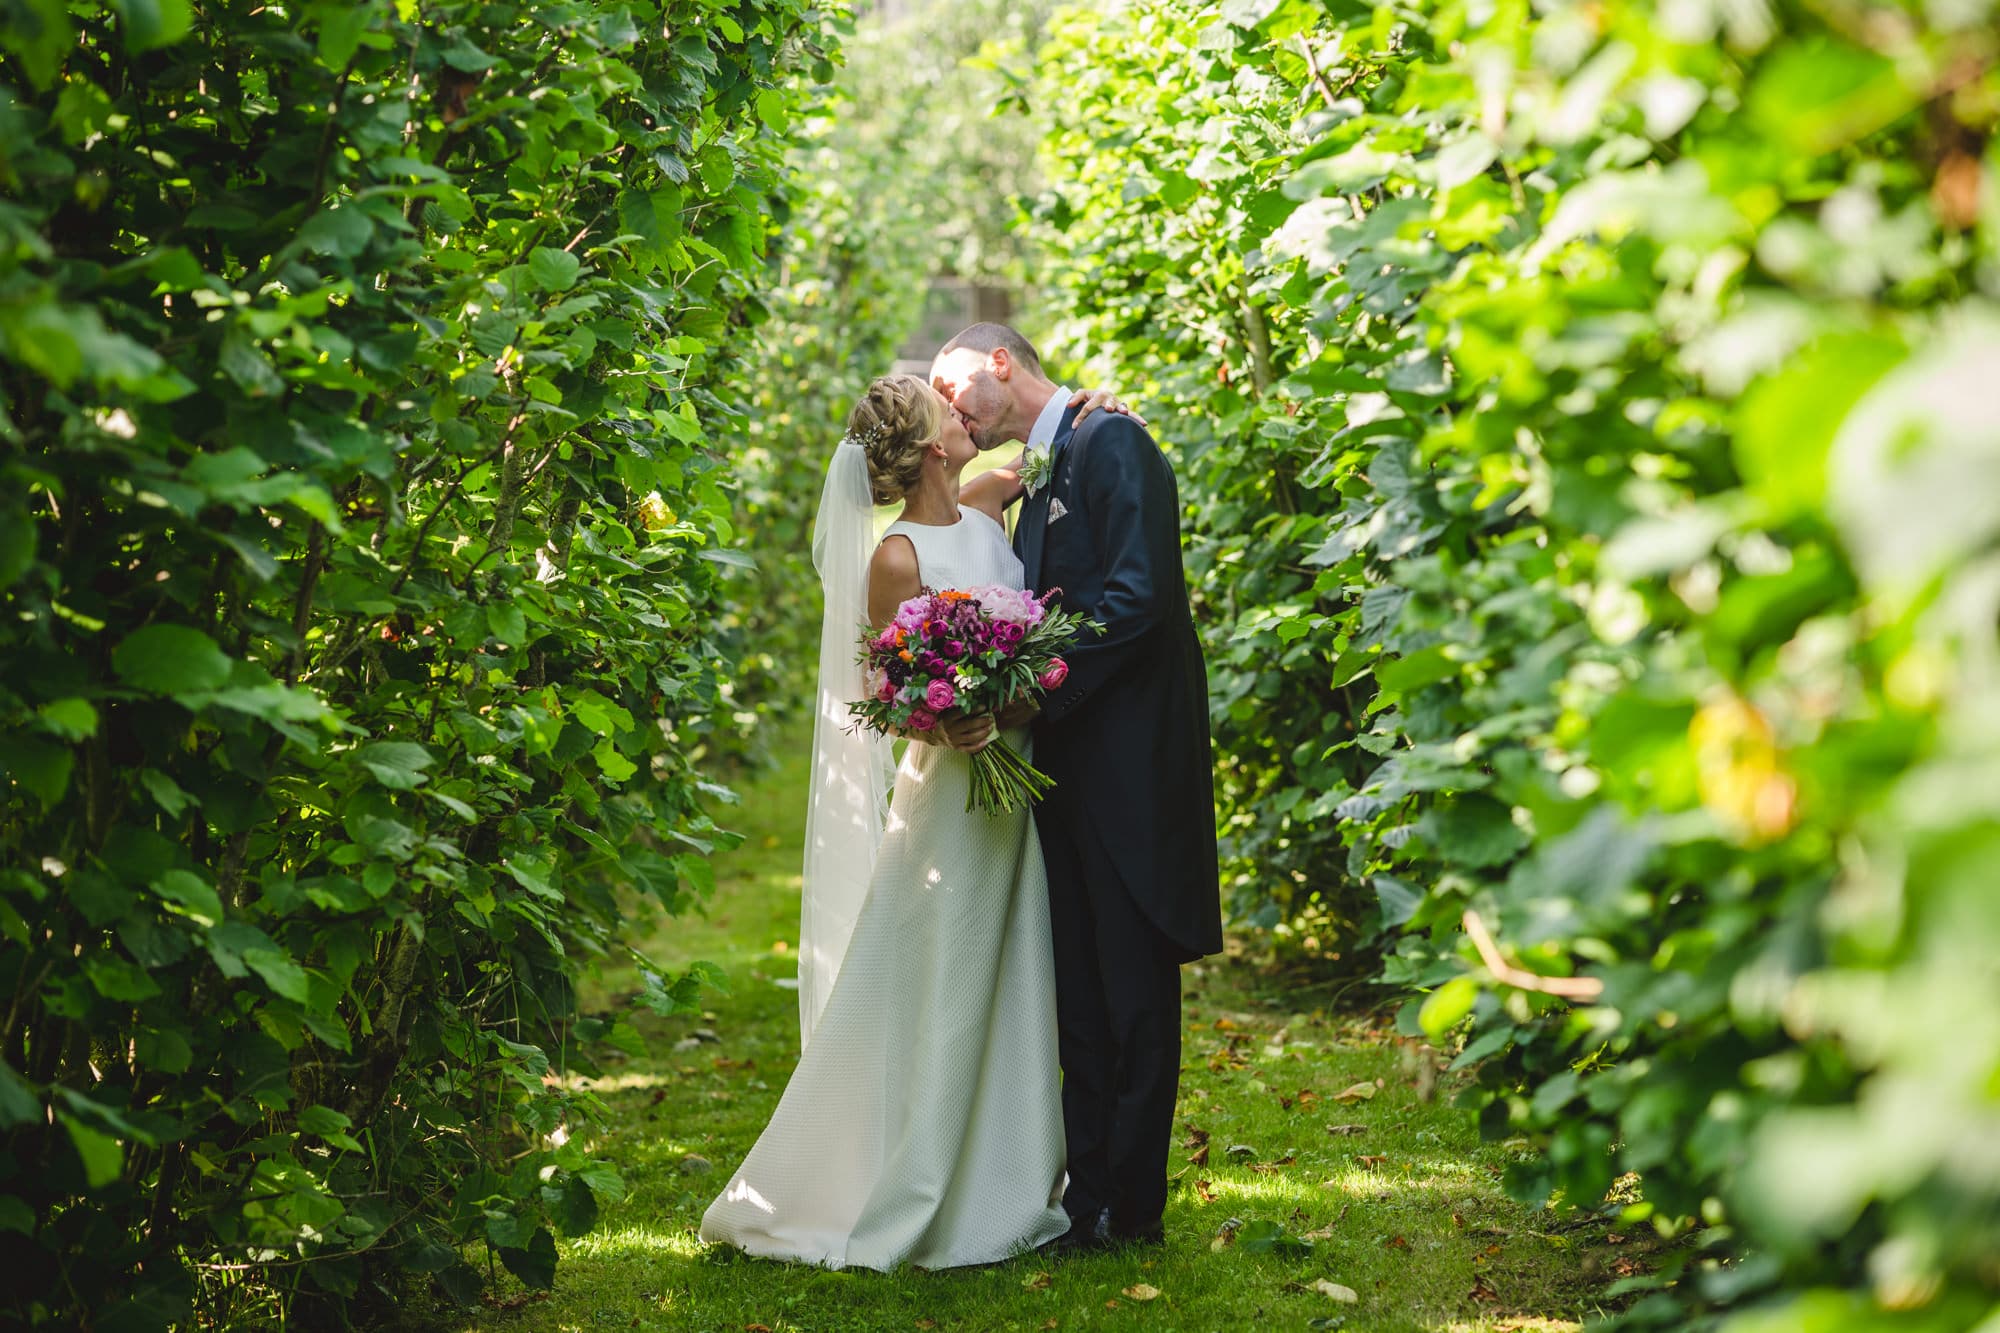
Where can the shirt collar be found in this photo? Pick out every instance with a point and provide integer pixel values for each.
(1043, 432)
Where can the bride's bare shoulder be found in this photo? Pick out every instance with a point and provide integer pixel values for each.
(892, 577)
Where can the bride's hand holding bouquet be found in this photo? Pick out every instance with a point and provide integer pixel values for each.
(948, 659)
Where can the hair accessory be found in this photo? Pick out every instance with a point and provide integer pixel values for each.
(868, 438)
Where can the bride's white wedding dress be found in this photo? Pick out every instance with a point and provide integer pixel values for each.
(923, 1124)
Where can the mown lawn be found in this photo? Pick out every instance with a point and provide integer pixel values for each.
(1310, 1156)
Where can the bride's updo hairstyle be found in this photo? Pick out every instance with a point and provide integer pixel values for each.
(893, 422)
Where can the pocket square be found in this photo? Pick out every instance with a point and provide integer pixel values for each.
(1056, 509)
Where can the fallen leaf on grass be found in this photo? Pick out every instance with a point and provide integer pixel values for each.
(1037, 1281)
(927, 1323)
(1325, 1232)
(1139, 1291)
(1482, 1292)
(1360, 1092)
(1267, 1237)
(1371, 1162)
(1111, 1305)
(1241, 1151)
(1048, 1324)
(1338, 1130)
(756, 1328)
(1205, 1191)
(1334, 1291)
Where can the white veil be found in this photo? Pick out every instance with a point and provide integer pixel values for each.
(851, 770)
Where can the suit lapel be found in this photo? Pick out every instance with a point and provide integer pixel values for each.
(1035, 509)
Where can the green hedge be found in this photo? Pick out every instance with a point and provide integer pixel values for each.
(1584, 418)
(362, 511)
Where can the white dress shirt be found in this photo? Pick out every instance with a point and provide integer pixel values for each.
(1043, 433)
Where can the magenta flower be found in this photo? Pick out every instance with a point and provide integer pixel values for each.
(922, 719)
(940, 695)
(1056, 674)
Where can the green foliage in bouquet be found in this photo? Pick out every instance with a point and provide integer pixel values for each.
(1586, 432)
(361, 502)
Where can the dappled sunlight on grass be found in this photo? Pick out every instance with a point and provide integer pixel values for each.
(645, 1243)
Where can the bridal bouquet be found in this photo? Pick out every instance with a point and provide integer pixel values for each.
(962, 653)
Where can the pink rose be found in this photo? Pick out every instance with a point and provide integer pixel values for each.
(940, 695)
(886, 691)
(923, 719)
(1057, 673)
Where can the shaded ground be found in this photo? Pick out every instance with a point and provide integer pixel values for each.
(1307, 1157)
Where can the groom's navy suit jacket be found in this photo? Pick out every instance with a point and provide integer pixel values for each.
(1126, 735)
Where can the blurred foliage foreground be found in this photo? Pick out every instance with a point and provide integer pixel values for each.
(1587, 432)
(361, 525)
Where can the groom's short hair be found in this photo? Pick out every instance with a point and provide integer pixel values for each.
(991, 337)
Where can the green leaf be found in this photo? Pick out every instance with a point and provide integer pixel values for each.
(285, 977)
(323, 1121)
(1399, 902)
(148, 24)
(575, 1207)
(195, 896)
(170, 659)
(243, 361)
(535, 1265)
(1264, 1236)
(340, 29)
(342, 231)
(18, 1103)
(1427, 667)
(39, 34)
(614, 766)
(71, 719)
(164, 1050)
(1447, 1006)
(43, 769)
(103, 1156)
(1819, 93)
(553, 270)
(17, 544)
(120, 979)
(397, 764)
(462, 1284)
(654, 216)
(1786, 424)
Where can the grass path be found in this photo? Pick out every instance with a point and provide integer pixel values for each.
(1269, 1208)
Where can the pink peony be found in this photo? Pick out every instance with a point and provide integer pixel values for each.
(940, 695)
(1010, 605)
(886, 691)
(1057, 673)
(923, 719)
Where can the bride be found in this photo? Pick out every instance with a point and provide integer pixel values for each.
(923, 1124)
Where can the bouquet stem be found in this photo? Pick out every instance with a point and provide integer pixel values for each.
(1003, 782)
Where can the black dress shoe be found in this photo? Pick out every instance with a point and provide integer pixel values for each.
(1148, 1233)
(1092, 1231)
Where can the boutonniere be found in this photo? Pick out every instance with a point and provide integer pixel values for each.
(1034, 471)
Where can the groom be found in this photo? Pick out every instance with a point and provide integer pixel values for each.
(1128, 834)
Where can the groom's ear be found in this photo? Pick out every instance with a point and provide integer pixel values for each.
(1000, 363)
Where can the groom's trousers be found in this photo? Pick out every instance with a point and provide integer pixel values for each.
(1118, 1014)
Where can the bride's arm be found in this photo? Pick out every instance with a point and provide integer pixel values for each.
(893, 579)
(991, 492)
